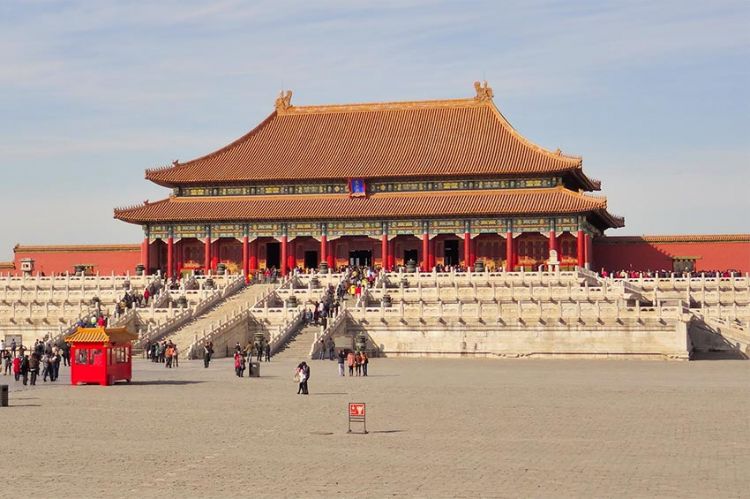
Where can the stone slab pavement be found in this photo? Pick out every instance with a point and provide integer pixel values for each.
(438, 428)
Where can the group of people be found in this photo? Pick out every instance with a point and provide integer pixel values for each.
(243, 357)
(44, 360)
(165, 353)
(356, 361)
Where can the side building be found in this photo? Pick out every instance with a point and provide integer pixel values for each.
(441, 182)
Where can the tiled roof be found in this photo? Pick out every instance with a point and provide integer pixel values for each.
(75, 248)
(679, 238)
(100, 334)
(382, 205)
(401, 139)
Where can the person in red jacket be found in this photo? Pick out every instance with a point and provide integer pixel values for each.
(17, 367)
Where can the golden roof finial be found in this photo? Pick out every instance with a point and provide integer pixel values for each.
(484, 92)
(284, 100)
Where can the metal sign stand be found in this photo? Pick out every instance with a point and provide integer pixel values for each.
(357, 414)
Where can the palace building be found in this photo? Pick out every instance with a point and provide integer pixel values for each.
(437, 182)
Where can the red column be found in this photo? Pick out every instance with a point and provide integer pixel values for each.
(391, 254)
(425, 252)
(246, 258)
(581, 249)
(587, 245)
(207, 255)
(553, 243)
(283, 255)
(253, 264)
(467, 249)
(180, 257)
(215, 254)
(433, 246)
(384, 252)
(472, 251)
(170, 257)
(291, 259)
(331, 255)
(144, 255)
(509, 253)
(324, 248)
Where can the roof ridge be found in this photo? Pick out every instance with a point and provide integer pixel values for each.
(381, 106)
(176, 165)
(554, 154)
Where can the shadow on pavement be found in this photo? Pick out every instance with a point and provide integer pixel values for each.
(160, 382)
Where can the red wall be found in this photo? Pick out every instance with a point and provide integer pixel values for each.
(117, 258)
(656, 252)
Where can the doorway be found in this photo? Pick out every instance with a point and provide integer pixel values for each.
(311, 259)
(412, 255)
(360, 258)
(273, 255)
(450, 253)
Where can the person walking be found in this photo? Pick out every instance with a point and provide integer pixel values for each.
(238, 364)
(358, 363)
(17, 367)
(267, 348)
(175, 356)
(332, 348)
(341, 358)
(322, 344)
(7, 361)
(25, 369)
(365, 361)
(168, 352)
(33, 368)
(207, 350)
(303, 374)
(350, 363)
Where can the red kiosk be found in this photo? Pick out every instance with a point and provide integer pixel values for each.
(99, 355)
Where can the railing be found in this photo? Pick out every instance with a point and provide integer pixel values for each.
(522, 311)
(186, 315)
(331, 329)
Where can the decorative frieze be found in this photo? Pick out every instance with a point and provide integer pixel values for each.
(372, 187)
(371, 228)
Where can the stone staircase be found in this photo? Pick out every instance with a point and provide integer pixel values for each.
(298, 346)
(248, 296)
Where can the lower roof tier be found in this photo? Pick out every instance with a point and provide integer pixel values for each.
(557, 200)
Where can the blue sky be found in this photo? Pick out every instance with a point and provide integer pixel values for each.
(653, 94)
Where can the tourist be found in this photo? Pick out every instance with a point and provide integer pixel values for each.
(33, 368)
(175, 356)
(364, 361)
(45, 367)
(323, 349)
(17, 367)
(54, 364)
(268, 351)
(342, 358)
(238, 361)
(208, 350)
(350, 362)
(7, 361)
(66, 354)
(13, 347)
(168, 352)
(303, 374)
(25, 369)
(358, 363)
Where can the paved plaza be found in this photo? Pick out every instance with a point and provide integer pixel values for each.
(438, 428)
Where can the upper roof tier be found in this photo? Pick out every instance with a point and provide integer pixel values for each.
(456, 137)
(557, 200)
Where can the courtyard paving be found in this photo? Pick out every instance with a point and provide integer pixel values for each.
(438, 428)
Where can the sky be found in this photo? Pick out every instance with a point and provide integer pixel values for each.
(655, 95)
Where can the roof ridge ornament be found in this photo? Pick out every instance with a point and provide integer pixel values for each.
(484, 91)
(284, 100)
